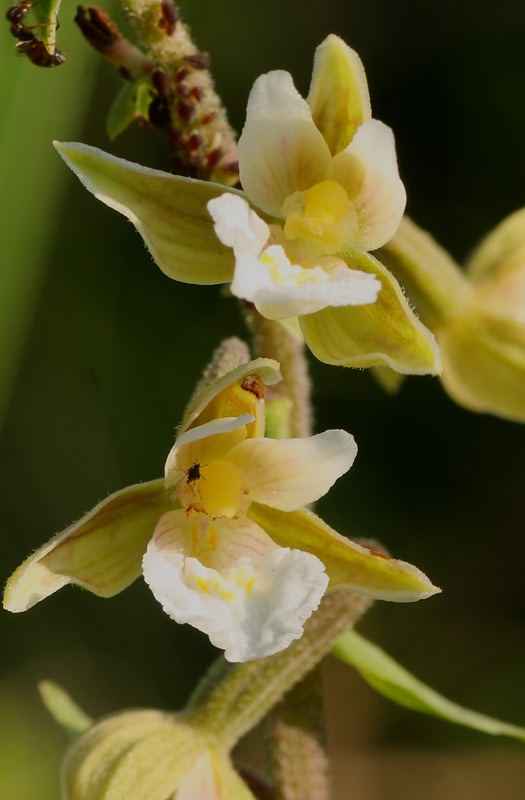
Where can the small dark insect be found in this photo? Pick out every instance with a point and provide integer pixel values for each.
(161, 82)
(170, 17)
(159, 112)
(37, 53)
(194, 473)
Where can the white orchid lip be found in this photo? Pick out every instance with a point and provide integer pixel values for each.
(229, 580)
(265, 276)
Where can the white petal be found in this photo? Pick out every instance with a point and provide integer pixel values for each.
(368, 171)
(252, 601)
(179, 459)
(290, 473)
(344, 287)
(237, 226)
(280, 149)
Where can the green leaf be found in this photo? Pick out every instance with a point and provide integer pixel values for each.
(63, 708)
(385, 333)
(169, 212)
(131, 103)
(393, 681)
(46, 14)
(101, 552)
(347, 563)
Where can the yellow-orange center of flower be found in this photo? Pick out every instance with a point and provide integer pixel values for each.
(219, 488)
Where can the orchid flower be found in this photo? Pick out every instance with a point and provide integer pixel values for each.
(323, 177)
(224, 540)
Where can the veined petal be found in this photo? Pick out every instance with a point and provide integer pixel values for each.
(101, 552)
(384, 333)
(168, 211)
(237, 226)
(338, 96)
(280, 149)
(347, 563)
(250, 596)
(205, 443)
(368, 171)
(290, 473)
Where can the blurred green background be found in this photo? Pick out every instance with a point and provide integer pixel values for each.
(100, 351)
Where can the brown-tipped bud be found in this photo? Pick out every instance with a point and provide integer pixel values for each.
(195, 142)
(197, 93)
(102, 34)
(182, 74)
(161, 82)
(186, 110)
(198, 60)
(214, 157)
(209, 118)
(169, 17)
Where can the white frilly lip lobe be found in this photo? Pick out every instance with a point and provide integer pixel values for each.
(248, 595)
(239, 227)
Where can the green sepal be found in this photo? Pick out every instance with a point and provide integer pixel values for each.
(347, 564)
(169, 212)
(393, 681)
(135, 754)
(338, 96)
(502, 250)
(63, 708)
(386, 333)
(101, 552)
(484, 363)
(131, 102)
(389, 380)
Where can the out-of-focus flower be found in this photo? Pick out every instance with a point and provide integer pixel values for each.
(477, 315)
(224, 540)
(323, 176)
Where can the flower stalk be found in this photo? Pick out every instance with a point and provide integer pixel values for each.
(248, 691)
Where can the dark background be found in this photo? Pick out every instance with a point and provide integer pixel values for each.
(100, 352)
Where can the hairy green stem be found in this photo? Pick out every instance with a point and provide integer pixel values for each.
(296, 739)
(291, 398)
(248, 691)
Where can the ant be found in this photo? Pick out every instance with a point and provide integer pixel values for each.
(35, 50)
(37, 53)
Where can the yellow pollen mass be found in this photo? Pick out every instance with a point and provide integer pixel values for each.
(327, 201)
(219, 488)
(284, 272)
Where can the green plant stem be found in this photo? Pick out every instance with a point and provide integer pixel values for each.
(292, 396)
(296, 739)
(245, 694)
